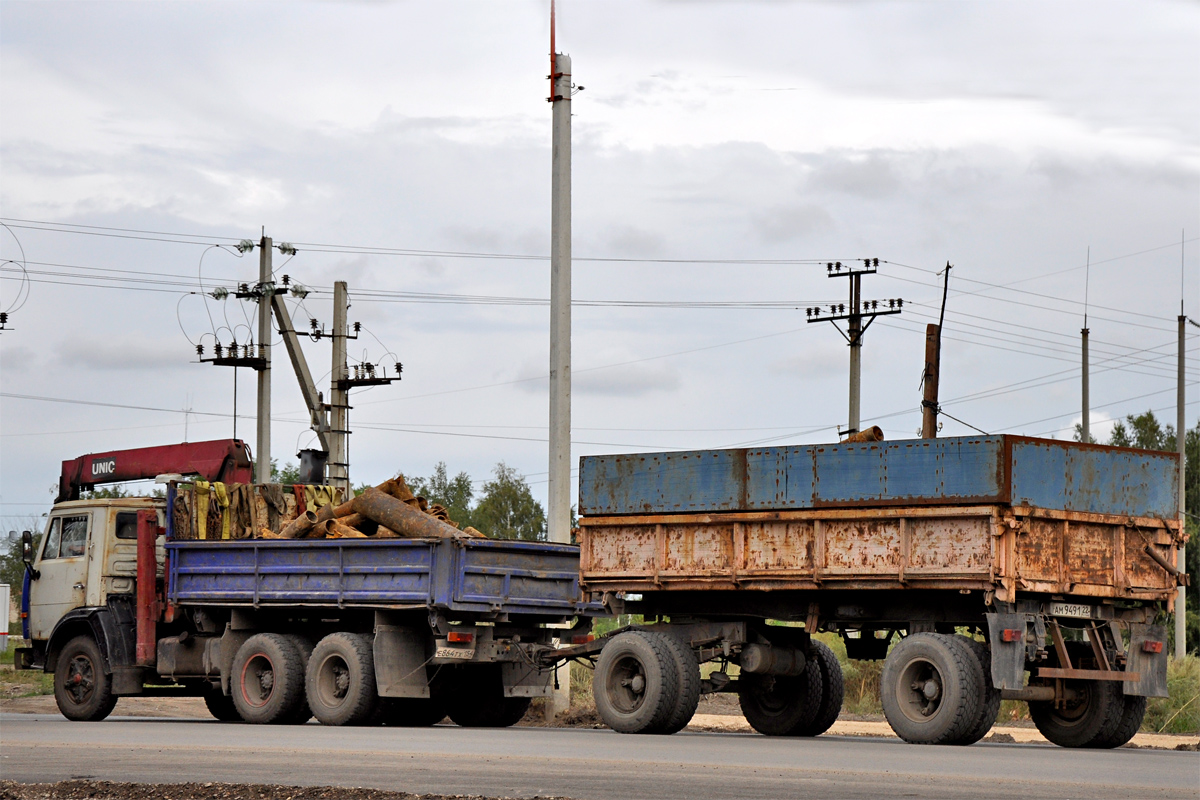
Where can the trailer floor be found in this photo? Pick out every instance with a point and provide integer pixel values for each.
(572, 762)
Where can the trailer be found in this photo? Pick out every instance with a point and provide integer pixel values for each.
(396, 631)
(977, 568)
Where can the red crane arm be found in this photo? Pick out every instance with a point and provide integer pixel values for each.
(225, 460)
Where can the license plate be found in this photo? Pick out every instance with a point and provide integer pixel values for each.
(445, 651)
(1079, 610)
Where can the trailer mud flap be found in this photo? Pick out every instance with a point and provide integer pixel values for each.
(1148, 658)
(523, 680)
(1006, 637)
(400, 662)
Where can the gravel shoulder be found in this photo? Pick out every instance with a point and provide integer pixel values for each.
(108, 790)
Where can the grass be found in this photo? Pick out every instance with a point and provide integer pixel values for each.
(1179, 713)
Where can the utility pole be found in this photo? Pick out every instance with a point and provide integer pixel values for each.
(312, 398)
(1085, 427)
(558, 517)
(933, 367)
(857, 312)
(262, 446)
(1181, 443)
(339, 465)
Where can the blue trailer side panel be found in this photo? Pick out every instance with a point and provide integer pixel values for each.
(953, 471)
(471, 575)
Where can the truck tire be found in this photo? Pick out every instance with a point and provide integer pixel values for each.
(220, 705)
(779, 705)
(824, 668)
(340, 682)
(636, 683)
(476, 699)
(688, 699)
(930, 690)
(411, 712)
(1130, 721)
(82, 690)
(1086, 722)
(989, 704)
(304, 647)
(267, 679)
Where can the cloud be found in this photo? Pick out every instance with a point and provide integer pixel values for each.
(814, 361)
(787, 223)
(105, 352)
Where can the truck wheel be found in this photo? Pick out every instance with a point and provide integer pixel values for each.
(824, 668)
(267, 679)
(989, 703)
(929, 689)
(636, 683)
(304, 647)
(688, 669)
(411, 712)
(1127, 725)
(778, 705)
(82, 690)
(1085, 721)
(476, 699)
(340, 683)
(220, 705)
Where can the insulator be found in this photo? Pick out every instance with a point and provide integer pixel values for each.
(841, 308)
(243, 288)
(874, 304)
(262, 351)
(891, 303)
(399, 369)
(899, 302)
(287, 279)
(832, 309)
(217, 349)
(313, 324)
(866, 263)
(3, 317)
(838, 266)
(246, 351)
(357, 327)
(199, 347)
(829, 267)
(877, 262)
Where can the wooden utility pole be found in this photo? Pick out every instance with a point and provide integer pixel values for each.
(929, 403)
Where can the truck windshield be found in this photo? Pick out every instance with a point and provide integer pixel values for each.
(52, 539)
(74, 537)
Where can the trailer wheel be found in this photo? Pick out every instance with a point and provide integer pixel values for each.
(989, 704)
(636, 683)
(267, 680)
(1088, 721)
(82, 690)
(823, 667)
(687, 666)
(304, 648)
(220, 705)
(1130, 721)
(779, 705)
(475, 699)
(340, 682)
(411, 712)
(929, 689)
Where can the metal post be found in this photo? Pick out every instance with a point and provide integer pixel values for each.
(1181, 443)
(929, 404)
(855, 336)
(558, 516)
(262, 448)
(1085, 426)
(339, 469)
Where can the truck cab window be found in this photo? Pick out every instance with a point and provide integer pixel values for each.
(74, 537)
(52, 539)
(127, 525)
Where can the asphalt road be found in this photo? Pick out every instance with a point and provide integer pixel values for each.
(579, 763)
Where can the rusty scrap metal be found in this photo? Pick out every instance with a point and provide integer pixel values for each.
(871, 434)
(401, 517)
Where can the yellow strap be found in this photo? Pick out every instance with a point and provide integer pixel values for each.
(223, 504)
(202, 497)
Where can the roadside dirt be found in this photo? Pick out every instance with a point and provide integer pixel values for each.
(107, 790)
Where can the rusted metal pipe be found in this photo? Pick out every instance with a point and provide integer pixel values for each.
(400, 517)
(871, 434)
(1159, 559)
(147, 589)
(300, 526)
(1037, 694)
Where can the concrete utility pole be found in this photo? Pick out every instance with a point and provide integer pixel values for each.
(1181, 443)
(339, 466)
(558, 517)
(858, 311)
(262, 447)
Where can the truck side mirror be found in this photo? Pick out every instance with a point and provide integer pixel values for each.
(27, 554)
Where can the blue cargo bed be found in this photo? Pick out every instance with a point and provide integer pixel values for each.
(1003, 469)
(470, 576)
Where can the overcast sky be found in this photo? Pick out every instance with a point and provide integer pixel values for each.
(1005, 138)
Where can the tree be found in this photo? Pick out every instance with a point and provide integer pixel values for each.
(456, 493)
(508, 510)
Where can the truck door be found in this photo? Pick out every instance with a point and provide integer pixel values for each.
(63, 564)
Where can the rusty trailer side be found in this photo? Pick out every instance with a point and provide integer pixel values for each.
(990, 548)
